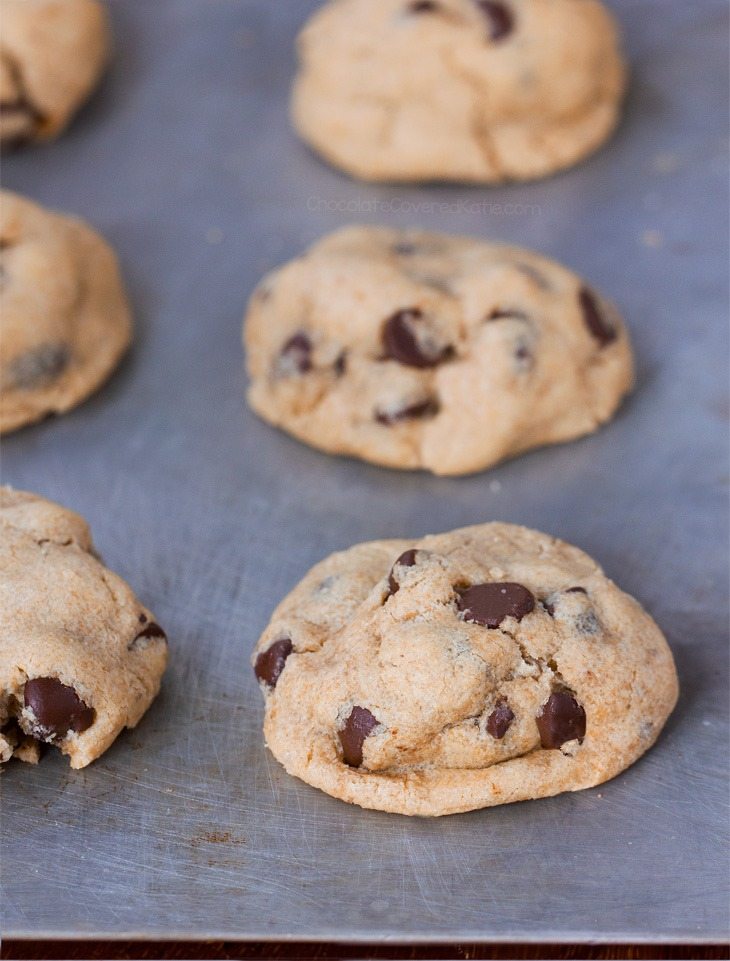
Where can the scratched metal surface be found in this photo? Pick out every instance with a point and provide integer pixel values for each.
(187, 826)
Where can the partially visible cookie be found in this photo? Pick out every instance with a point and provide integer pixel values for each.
(63, 310)
(52, 53)
(463, 670)
(422, 350)
(80, 657)
(458, 90)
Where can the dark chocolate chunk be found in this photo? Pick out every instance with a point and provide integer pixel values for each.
(340, 364)
(56, 707)
(153, 631)
(404, 248)
(270, 663)
(423, 6)
(359, 725)
(296, 354)
(561, 719)
(402, 343)
(39, 367)
(425, 408)
(594, 319)
(19, 110)
(407, 559)
(500, 719)
(507, 314)
(490, 604)
(499, 17)
(524, 358)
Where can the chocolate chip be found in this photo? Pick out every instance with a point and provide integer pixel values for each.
(594, 320)
(407, 559)
(524, 358)
(500, 313)
(402, 343)
(426, 408)
(423, 6)
(561, 719)
(359, 725)
(57, 708)
(39, 366)
(499, 17)
(19, 113)
(490, 604)
(404, 248)
(340, 364)
(500, 719)
(151, 632)
(296, 355)
(270, 663)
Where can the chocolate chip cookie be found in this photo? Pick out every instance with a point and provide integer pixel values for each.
(65, 317)
(421, 350)
(80, 657)
(460, 90)
(52, 53)
(487, 665)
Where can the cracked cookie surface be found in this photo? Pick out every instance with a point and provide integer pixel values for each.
(65, 317)
(422, 350)
(463, 90)
(488, 665)
(52, 52)
(80, 657)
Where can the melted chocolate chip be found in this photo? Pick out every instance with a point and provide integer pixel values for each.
(426, 408)
(39, 366)
(152, 632)
(340, 364)
(499, 17)
(423, 6)
(57, 708)
(22, 117)
(404, 248)
(490, 604)
(270, 663)
(296, 354)
(504, 314)
(402, 344)
(524, 358)
(561, 719)
(407, 559)
(359, 725)
(499, 720)
(594, 319)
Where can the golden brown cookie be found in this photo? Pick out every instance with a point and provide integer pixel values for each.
(80, 657)
(463, 90)
(487, 665)
(423, 350)
(63, 312)
(52, 53)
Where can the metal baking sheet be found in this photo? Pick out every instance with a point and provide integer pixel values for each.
(187, 827)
